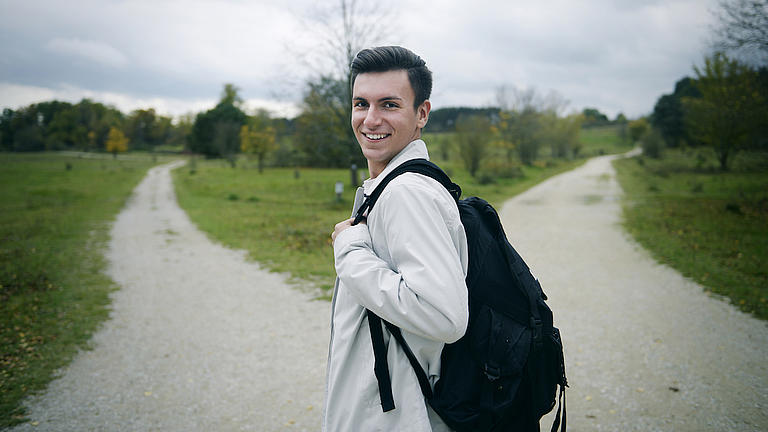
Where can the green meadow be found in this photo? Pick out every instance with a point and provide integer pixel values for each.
(710, 225)
(55, 213)
(599, 140)
(284, 217)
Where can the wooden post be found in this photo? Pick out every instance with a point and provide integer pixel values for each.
(353, 174)
(339, 190)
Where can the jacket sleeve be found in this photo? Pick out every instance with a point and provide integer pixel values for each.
(423, 291)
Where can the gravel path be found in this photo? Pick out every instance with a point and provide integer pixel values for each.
(646, 349)
(199, 339)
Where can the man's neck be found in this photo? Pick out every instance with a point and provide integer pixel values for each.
(376, 168)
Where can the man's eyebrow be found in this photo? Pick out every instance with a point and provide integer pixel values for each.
(386, 98)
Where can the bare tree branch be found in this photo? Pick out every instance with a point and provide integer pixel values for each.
(742, 29)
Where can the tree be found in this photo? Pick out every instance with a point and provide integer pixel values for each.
(216, 132)
(343, 29)
(83, 126)
(258, 137)
(623, 124)
(742, 29)
(731, 109)
(180, 132)
(323, 132)
(593, 117)
(23, 129)
(524, 131)
(561, 133)
(637, 129)
(229, 96)
(505, 133)
(652, 144)
(6, 130)
(473, 138)
(668, 116)
(444, 119)
(226, 140)
(116, 141)
(67, 130)
(146, 129)
(56, 125)
(520, 124)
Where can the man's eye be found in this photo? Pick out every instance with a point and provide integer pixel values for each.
(390, 105)
(359, 104)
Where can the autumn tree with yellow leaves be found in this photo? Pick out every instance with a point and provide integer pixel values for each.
(257, 137)
(116, 141)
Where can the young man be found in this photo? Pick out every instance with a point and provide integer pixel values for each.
(407, 263)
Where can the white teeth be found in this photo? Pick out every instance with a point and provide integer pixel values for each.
(375, 136)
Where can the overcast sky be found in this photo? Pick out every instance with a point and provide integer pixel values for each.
(175, 56)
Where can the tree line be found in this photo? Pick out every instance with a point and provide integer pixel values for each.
(86, 126)
(320, 136)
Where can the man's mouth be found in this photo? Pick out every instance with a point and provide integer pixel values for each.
(376, 137)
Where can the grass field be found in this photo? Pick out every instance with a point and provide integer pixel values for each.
(285, 221)
(54, 218)
(602, 140)
(712, 226)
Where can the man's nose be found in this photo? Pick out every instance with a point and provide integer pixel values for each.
(372, 118)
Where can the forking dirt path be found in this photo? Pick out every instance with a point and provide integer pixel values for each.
(202, 340)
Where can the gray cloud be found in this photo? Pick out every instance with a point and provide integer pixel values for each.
(615, 55)
(90, 50)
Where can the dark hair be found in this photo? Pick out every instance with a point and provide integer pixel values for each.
(388, 58)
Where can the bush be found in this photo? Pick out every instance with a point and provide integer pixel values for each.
(486, 179)
(502, 169)
(652, 144)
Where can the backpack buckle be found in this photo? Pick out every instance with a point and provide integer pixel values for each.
(536, 328)
(492, 373)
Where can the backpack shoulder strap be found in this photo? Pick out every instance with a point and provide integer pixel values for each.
(381, 369)
(419, 166)
(381, 365)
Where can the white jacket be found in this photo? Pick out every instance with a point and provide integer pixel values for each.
(407, 265)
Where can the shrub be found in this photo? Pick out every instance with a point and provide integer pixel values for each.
(502, 169)
(652, 144)
(486, 179)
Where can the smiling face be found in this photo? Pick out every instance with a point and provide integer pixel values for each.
(383, 117)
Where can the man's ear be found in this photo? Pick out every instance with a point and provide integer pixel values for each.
(423, 113)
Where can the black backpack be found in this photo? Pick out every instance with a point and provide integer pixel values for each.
(503, 374)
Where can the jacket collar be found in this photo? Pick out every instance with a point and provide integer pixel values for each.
(415, 150)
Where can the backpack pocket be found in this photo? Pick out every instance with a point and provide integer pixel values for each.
(547, 372)
(501, 345)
